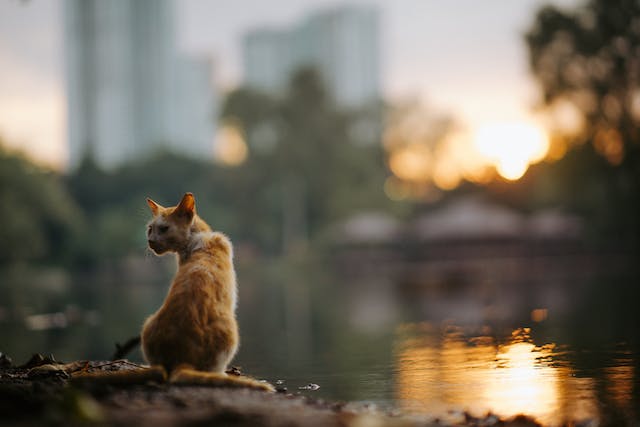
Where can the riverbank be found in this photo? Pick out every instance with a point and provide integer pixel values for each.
(40, 393)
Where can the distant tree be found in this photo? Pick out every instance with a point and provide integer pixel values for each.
(588, 60)
(114, 200)
(303, 172)
(304, 165)
(39, 221)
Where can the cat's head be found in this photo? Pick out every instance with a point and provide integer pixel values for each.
(170, 228)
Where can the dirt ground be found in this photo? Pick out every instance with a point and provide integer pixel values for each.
(41, 392)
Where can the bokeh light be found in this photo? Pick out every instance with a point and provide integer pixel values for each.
(428, 152)
(230, 147)
(512, 147)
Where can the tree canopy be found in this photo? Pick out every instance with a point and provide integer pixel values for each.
(40, 222)
(587, 62)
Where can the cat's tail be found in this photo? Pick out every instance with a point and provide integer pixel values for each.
(189, 376)
(180, 376)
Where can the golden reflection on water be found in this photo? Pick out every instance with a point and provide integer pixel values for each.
(519, 386)
(440, 373)
(619, 385)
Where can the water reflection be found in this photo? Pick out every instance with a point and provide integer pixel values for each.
(519, 384)
(560, 372)
(440, 372)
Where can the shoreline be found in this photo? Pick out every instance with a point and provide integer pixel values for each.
(40, 392)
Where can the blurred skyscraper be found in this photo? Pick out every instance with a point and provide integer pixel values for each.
(130, 92)
(342, 43)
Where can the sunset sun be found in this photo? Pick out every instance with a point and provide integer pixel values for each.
(511, 147)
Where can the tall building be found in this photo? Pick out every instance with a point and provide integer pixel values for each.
(267, 59)
(130, 92)
(341, 43)
(194, 109)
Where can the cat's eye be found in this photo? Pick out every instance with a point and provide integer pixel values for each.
(149, 228)
(163, 228)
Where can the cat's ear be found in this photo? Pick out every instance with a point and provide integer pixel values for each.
(187, 207)
(153, 206)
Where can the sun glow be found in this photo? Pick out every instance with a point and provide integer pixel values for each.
(411, 163)
(512, 147)
(432, 156)
(230, 147)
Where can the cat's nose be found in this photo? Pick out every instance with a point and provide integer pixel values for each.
(151, 242)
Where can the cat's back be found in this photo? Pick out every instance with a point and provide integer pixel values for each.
(196, 323)
(208, 273)
(216, 244)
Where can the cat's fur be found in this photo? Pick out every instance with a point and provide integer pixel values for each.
(196, 324)
(194, 334)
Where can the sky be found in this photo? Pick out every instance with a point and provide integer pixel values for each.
(466, 58)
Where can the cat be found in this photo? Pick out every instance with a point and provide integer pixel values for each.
(194, 335)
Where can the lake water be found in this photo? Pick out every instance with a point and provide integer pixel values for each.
(571, 358)
(441, 372)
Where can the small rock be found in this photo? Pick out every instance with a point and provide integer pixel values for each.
(37, 360)
(523, 421)
(490, 420)
(48, 370)
(5, 361)
(234, 370)
(310, 386)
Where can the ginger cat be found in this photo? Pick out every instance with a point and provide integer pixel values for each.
(194, 334)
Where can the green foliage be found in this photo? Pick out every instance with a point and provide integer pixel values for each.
(588, 58)
(304, 171)
(304, 163)
(114, 201)
(40, 222)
